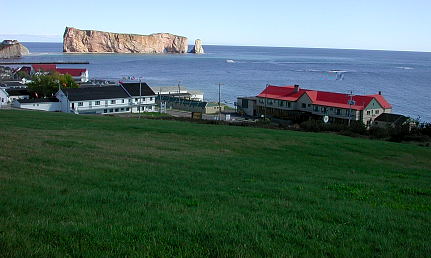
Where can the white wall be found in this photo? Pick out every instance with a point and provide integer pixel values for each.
(106, 106)
(45, 106)
(3, 97)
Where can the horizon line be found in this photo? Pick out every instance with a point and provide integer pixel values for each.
(272, 46)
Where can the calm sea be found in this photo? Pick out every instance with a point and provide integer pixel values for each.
(403, 77)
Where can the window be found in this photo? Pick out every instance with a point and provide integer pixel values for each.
(105, 111)
(143, 99)
(97, 103)
(304, 105)
(368, 112)
(377, 112)
(281, 103)
(113, 101)
(116, 110)
(130, 100)
(309, 105)
(122, 109)
(338, 111)
(111, 110)
(151, 98)
(331, 109)
(288, 104)
(122, 101)
(245, 103)
(127, 109)
(316, 108)
(80, 104)
(136, 100)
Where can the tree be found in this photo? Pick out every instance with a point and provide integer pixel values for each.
(47, 85)
(21, 75)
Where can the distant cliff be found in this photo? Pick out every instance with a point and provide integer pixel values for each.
(12, 49)
(90, 41)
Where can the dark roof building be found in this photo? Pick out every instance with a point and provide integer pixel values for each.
(387, 119)
(108, 92)
(17, 92)
(138, 89)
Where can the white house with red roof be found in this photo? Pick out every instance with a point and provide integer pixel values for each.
(79, 74)
(290, 102)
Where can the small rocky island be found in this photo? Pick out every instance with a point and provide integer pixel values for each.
(198, 49)
(12, 49)
(91, 41)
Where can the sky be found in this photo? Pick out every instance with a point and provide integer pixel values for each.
(346, 24)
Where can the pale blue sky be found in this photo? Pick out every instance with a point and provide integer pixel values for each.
(361, 24)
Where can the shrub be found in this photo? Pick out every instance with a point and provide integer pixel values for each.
(377, 132)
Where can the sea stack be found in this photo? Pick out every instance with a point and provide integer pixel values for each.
(91, 41)
(198, 49)
(12, 49)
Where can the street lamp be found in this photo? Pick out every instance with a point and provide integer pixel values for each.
(140, 97)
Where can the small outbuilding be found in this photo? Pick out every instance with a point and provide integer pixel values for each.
(43, 104)
(386, 120)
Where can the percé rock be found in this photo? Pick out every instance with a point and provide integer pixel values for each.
(91, 41)
(12, 49)
(198, 49)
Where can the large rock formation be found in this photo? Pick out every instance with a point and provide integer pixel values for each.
(198, 49)
(90, 41)
(12, 49)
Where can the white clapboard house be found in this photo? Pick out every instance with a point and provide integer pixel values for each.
(125, 98)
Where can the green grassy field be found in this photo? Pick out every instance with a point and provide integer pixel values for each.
(107, 186)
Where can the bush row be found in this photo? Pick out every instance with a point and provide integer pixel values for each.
(420, 133)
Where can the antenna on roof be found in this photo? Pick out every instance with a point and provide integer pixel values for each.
(350, 102)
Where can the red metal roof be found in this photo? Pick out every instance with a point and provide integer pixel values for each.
(44, 67)
(53, 68)
(72, 72)
(323, 98)
(282, 93)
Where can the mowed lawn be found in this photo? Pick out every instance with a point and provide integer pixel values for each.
(106, 186)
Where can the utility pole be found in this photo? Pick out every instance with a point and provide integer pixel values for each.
(140, 97)
(179, 92)
(266, 99)
(219, 97)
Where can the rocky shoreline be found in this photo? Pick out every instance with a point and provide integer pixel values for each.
(12, 49)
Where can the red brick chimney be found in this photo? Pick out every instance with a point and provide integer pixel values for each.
(296, 89)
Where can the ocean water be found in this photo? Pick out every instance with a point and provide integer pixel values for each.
(403, 77)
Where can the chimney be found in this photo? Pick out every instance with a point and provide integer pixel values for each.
(380, 93)
(296, 89)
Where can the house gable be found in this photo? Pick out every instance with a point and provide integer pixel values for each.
(374, 104)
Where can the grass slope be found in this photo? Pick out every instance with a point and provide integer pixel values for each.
(106, 186)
